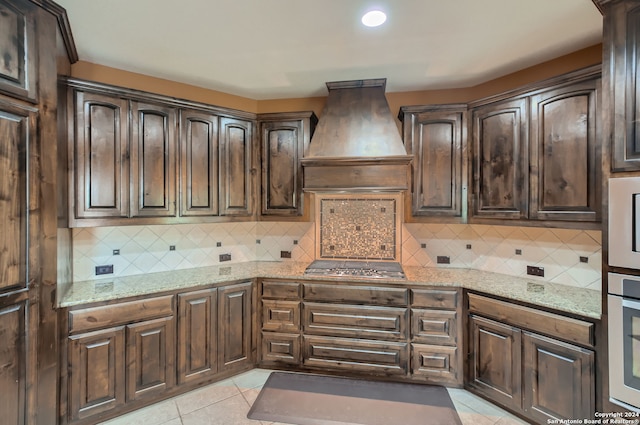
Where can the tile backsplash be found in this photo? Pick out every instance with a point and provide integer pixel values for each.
(503, 249)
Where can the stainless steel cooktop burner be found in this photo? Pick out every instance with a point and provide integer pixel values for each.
(350, 268)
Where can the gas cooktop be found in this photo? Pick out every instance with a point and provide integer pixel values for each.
(353, 268)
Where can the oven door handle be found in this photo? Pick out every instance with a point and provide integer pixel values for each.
(631, 304)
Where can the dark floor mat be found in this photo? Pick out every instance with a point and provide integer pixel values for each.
(306, 399)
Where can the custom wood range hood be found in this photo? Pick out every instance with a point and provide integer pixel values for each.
(356, 145)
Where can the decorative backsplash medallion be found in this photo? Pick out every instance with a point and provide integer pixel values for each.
(361, 227)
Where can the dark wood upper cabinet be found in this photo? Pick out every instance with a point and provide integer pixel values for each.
(101, 156)
(621, 82)
(565, 156)
(18, 68)
(140, 158)
(435, 136)
(153, 160)
(199, 177)
(284, 138)
(236, 161)
(500, 160)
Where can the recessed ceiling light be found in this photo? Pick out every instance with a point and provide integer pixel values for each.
(374, 18)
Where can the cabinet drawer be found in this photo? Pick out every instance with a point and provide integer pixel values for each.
(119, 314)
(280, 348)
(281, 316)
(376, 357)
(435, 298)
(356, 294)
(555, 325)
(355, 321)
(437, 327)
(281, 290)
(436, 364)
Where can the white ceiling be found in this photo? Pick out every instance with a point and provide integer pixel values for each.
(267, 49)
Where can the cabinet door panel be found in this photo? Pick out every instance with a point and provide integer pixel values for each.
(199, 164)
(434, 327)
(564, 126)
(153, 160)
(281, 316)
(496, 361)
(500, 134)
(150, 358)
(17, 131)
(559, 380)
(281, 169)
(101, 156)
(15, 365)
(197, 335)
(437, 149)
(621, 84)
(18, 68)
(235, 166)
(97, 368)
(235, 318)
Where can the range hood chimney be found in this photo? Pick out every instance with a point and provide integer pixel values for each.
(356, 145)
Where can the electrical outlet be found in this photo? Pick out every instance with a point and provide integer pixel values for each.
(225, 257)
(106, 269)
(443, 259)
(285, 254)
(535, 271)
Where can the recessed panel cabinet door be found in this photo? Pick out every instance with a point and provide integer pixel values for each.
(101, 156)
(559, 379)
(18, 282)
(565, 159)
(97, 372)
(235, 167)
(199, 177)
(150, 358)
(284, 137)
(234, 326)
(153, 160)
(18, 67)
(437, 149)
(495, 369)
(197, 335)
(501, 160)
(621, 83)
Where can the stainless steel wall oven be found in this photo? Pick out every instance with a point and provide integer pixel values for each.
(623, 299)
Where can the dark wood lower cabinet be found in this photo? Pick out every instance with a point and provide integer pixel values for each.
(235, 309)
(127, 354)
(539, 377)
(558, 379)
(97, 372)
(150, 357)
(197, 335)
(496, 361)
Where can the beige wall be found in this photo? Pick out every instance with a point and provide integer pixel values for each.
(577, 60)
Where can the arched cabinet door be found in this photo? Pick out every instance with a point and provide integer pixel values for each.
(501, 159)
(236, 167)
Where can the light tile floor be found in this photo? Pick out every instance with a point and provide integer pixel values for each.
(227, 403)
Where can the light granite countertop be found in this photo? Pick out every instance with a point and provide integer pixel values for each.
(579, 301)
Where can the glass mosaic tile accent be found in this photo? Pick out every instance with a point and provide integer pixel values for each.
(354, 228)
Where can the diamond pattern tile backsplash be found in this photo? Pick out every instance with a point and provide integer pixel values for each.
(502, 249)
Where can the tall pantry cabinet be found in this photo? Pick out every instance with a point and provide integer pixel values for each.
(36, 45)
